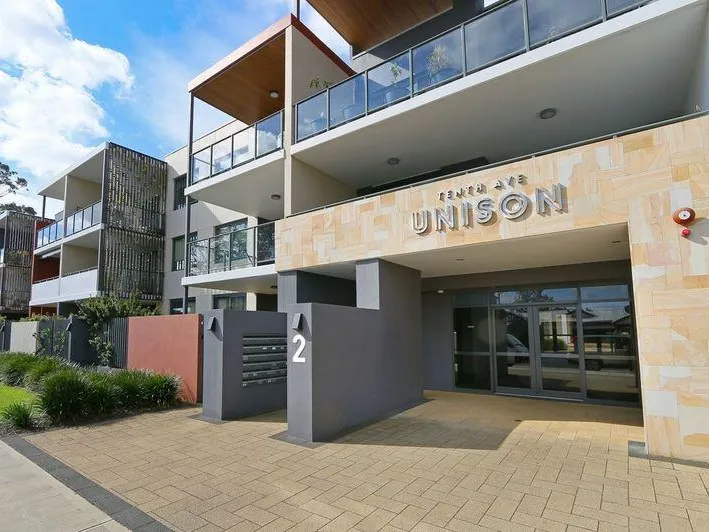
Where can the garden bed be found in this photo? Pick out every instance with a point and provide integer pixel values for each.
(52, 391)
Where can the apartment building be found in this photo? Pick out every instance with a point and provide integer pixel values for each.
(489, 196)
(17, 240)
(110, 236)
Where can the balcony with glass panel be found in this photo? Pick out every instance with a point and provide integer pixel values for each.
(72, 224)
(229, 260)
(511, 29)
(522, 77)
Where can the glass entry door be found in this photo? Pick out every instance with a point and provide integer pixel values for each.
(536, 350)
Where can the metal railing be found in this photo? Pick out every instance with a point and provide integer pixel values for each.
(512, 28)
(245, 248)
(72, 224)
(249, 144)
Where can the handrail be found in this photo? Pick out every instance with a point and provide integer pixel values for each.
(441, 71)
(512, 160)
(243, 248)
(61, 227)
(93, 268)
(46, 280)
(230, 159)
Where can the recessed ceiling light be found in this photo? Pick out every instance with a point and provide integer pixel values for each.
(440, 291)
(548, 113)
(274, 94)
(275, 197)
(616, 242)
(274, 286)
(393, 161)
(459, 260)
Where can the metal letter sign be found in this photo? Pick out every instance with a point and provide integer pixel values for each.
(299, 339)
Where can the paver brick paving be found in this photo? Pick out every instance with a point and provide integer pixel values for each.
(456, 462)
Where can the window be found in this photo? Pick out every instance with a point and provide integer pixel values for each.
(230, 302)
(178, 251)
(179, 193)
(176, 306)
(230, 246)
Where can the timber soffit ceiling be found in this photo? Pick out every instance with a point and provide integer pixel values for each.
(366, 23)
(242, 83)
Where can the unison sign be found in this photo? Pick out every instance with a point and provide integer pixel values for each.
(475, 205)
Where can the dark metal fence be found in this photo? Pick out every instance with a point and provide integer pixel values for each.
(116, 332)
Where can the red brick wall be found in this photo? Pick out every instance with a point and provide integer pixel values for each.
(168, 344)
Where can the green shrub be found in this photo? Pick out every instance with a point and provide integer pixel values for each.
(103, 395)
(14, 366)
(66, 396)
(40, 369)
(131, 389)
(18, 415)
(160, 390)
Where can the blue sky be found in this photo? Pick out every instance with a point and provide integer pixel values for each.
(74, 73)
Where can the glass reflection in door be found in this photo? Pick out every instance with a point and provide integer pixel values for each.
(559, 355)
(472, 348)
(513, 360)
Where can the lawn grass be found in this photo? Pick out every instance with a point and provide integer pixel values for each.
(12, 394)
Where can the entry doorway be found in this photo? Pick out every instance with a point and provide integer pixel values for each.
(575, 343)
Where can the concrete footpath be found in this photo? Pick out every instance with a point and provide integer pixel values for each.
(31, 499)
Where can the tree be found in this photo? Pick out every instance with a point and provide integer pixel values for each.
(15, 207)
(10, 182)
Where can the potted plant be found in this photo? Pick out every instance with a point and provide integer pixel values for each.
(438, 63)
(395, 92)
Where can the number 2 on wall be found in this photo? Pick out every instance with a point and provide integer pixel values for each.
(299, 339)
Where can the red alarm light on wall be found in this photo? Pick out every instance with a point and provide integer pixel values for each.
(684, 216)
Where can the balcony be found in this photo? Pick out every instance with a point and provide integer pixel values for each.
(513, 28)
(245, 146)
(76, 285)
(73, 224)
(243, 260)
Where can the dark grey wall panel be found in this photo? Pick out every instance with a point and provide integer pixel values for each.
(224, 394)
(437, 330)
(360, 364)
(306, 287)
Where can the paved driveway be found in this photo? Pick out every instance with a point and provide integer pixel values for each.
(458, 462)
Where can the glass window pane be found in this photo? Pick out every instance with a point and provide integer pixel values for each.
(244, 148)
(557, 329)
(389, 83)
(514, 371)
(618, 291)
(266, 243)
(347, 101)
(438, 61)
(312, 116)
(470, 299)
(497, 35)
(512, 331)
(269, 135)
(561, 374)
(609, 348)
(618, 6)
(221, 156)
(472, 332)
(199, 251)
(201, 165)
(549, 19)
(179, 193)
(535, 295)
(472, 372)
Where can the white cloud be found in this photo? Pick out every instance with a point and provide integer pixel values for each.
(48, 114)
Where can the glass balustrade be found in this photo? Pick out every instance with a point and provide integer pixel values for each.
(74, 223)
(262, 138)
(245, 248)
(501, 32)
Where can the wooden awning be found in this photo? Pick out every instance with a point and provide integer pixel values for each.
(241, 84)
(366, 23)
